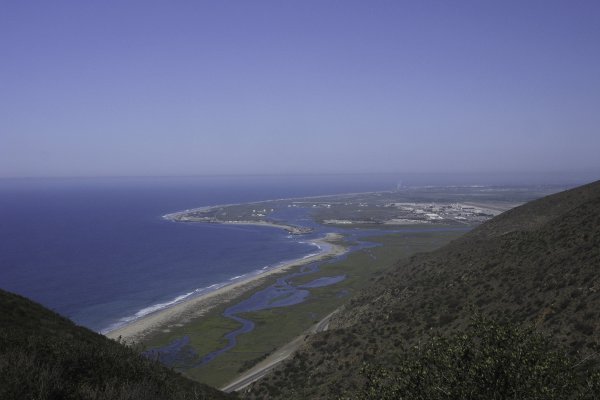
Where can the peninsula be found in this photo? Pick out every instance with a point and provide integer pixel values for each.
(405, 206)
(218, 215)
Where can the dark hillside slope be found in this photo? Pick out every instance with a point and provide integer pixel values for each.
(46, 356)
(536, 264)
(535, 213)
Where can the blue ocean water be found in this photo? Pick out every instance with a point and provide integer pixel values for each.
(98, 251)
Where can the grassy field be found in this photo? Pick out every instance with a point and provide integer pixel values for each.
(277, 326)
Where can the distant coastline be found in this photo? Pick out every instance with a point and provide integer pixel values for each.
(184, 216)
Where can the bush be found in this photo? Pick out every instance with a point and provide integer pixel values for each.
(487, 361)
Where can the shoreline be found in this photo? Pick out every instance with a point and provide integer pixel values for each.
(182, 312)
(181, 216)
(291, 229)
(173, 216)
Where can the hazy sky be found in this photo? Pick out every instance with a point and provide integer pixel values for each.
(207, 87)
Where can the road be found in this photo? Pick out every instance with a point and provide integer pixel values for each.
(265, 366)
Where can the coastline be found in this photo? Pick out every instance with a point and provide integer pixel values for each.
(173, 216)
(181, 216)
(182, 312)
(291, 229)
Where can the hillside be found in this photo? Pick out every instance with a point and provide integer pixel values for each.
(46, 356)
(536, 265)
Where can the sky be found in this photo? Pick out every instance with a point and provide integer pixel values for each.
(159, 88)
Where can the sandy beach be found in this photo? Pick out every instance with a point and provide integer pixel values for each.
(181, 313)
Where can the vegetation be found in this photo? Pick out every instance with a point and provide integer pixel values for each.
(531, 274)
(489, 360)
(276, 327)
(535, 265)
(45, 356)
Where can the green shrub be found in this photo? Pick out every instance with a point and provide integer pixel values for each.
(487, 361)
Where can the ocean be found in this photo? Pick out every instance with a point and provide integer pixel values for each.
(99, 252)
